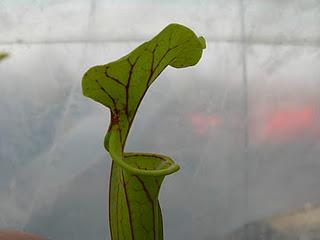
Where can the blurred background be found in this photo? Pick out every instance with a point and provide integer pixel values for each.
(243, 124)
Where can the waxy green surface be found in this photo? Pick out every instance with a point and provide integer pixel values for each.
(135, 180)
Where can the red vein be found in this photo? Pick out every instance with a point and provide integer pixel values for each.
(128, 84)
(151, 201)
(113, 78)
(106, 92)
(128, 205)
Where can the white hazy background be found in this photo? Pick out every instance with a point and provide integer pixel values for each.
(244, 123)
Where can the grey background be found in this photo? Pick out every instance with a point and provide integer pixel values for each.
(243, 124)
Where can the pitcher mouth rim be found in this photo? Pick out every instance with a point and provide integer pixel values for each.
(173, 167)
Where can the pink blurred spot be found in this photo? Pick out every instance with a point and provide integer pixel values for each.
(202, 123)
(290, 123)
